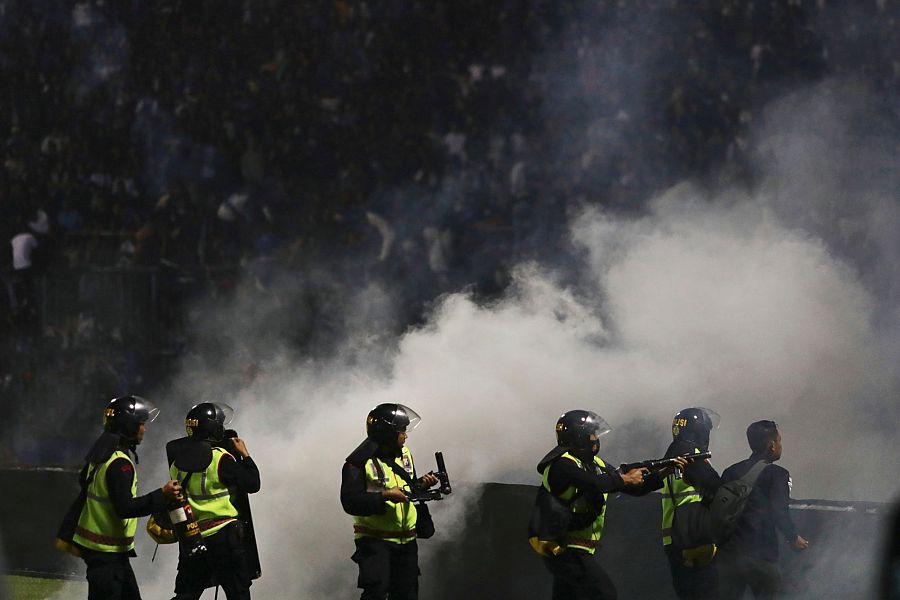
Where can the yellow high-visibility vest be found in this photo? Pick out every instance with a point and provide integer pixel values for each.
(588, 538)
(99, 527)
(208, 496)
(682, 493)
(398, 521)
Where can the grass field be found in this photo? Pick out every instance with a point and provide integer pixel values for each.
(38, 588)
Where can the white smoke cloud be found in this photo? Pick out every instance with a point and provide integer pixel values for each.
(706, 300)
(780, 304)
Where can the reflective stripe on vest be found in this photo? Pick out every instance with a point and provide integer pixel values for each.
(586, 539)
(209, 497)
(683, 493)
(99, 527)
(398, 521)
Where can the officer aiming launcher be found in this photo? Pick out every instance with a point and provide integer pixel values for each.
(661, 464)
(418, 493)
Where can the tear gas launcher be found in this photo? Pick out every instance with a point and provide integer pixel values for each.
(418, 493)
(661, 464)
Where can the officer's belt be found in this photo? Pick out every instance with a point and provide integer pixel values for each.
(210, 523)
(582, 542)
(383, 533)
(104, 539)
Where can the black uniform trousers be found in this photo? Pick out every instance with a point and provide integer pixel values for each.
(224, 563)
(110, 577)
(578, 576)
(387, 570)
(739, 570)
(692, 583)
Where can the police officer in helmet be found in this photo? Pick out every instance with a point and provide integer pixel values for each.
(574, 472)
(374, 484)
(211, 467)
(691, 561)
(692, 426)
(101, 524)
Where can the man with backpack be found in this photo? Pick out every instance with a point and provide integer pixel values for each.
(748, 557)
(687, 538)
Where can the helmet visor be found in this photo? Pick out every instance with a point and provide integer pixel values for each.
(712, 415)
(224, 412)
(145, 410)
(594, 424)
(405, 418)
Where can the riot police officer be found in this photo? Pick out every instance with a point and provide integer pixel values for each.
(211, 468)
(375, 481)
(691, 563)
(575, 474)
(101, 524)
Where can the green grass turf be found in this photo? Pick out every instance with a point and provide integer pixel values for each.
(38, 588)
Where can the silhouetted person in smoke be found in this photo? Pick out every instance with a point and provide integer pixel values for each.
(890, 575)
(374, 485)
(101, 524)
(749, 558)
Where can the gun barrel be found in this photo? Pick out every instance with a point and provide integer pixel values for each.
(661, 463)
(698, 456)
(439, 458)
(636, 465)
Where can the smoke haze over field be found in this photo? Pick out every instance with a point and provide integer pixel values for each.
(778, 302)
(745, 303)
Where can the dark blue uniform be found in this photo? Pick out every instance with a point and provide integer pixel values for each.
(749, 558)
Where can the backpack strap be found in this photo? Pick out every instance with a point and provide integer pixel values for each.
(89, 472)
(750, 477)
(587, 467)
(397, 469)
(400, 472)
(184, 483)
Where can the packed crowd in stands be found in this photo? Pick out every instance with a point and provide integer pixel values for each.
(201, 146)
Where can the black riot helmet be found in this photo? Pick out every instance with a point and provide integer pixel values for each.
(575, 428)
(207, 421)
(125, 414)
(694, 424)
(385, 421)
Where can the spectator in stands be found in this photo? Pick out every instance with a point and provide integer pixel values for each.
(26, 262)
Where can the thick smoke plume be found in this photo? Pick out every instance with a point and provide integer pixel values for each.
(740, 302)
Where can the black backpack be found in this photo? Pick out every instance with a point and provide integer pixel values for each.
(66, 533)
(552, 519)
(729, 501)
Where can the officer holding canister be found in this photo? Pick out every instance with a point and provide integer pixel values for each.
(375, 483)
(209, 474)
